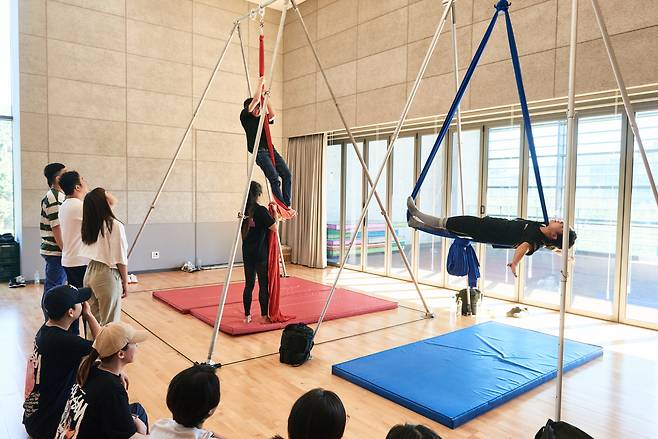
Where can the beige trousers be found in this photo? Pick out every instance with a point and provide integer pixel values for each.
(105, 283)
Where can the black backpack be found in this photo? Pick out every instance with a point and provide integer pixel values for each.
(561, 430)
(296, 344)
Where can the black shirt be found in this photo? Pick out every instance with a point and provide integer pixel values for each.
(250, 125)
(98, 410)
(499, 231)
(57, 355)
(255, 244)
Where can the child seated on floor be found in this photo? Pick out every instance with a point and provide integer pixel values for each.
(411, 431)
(317, 414)
(192, 397)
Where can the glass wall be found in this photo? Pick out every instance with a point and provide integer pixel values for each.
(353, 203)
(542, 270)
(597, 196)
(376, 237)
(502, 200)
(401, 185)
(431, 200)
(332, 196)
(6, 151)
(641, 296)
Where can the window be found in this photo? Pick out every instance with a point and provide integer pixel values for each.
(432, 199)
(542, 269)
(6, 155)
(332, 194)
(597, 197)
(641, 299)
(376, 237)
(353, 203)
(403, 181)
(503, 165)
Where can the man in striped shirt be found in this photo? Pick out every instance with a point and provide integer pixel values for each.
(51, 235)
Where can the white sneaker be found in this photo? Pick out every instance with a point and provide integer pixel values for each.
(132, 279)
(247, 319)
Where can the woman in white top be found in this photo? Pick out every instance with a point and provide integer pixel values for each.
(104, 243)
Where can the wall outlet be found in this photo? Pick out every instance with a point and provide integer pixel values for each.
(155, 255)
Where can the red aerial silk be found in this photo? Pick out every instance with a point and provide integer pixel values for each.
(284, 211)
(273, 277)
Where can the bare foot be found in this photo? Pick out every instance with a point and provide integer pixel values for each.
(266, 320)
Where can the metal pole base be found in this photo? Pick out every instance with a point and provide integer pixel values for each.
(428, 315)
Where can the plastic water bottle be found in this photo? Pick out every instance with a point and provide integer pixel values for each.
(37, 278)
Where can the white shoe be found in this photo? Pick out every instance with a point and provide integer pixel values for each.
(247, 319)
(132, 279)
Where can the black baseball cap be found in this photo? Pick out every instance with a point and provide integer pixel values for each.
(60, 299)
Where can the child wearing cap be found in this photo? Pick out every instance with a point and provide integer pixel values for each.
(98, 406)
(192, 397)
(57, 355)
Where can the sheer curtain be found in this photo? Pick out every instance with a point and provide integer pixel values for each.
(305, 234)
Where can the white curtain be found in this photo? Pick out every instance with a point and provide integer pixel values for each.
(305, 234)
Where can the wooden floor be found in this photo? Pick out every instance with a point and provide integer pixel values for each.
(615, 396)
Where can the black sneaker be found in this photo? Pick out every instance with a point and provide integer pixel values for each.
(17, 282)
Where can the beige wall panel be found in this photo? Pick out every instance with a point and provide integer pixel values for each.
(32, 164)
(227, 87)
(276, 96)
(221, 176)
(487, 89)
(337, 17)
(382, 33)
(324, 3)
(434, 96)
(270, 31)
(593, 71)
(81, 99)
(299, 91)
(212, 22)
(252, 62)
(534, 31)
(293, 35)
(382, 70)
(82, 63)
(104, 171)
(618, 16)
(327, 117)
(87, 136)
(34, 132)
(218, 116)
(32, 55)
(173, 207)
(299, 120)
(239, 7)
(31, 205)
(484, 9)
(84, 26)
(170, 13)
(424, 17)
(121, 208)
(157, 142)
(32, 17)
(441, 61)
(337, 49)
(158, 108)
(341, 78)
(207, 50)
(116, 7)
(381, 105)
(217, 207)
(33, 93)
(306, 8)
(148, 174)
(298, 63)
(159, 75)
(369, 9)
(159, 42)
(221, 147)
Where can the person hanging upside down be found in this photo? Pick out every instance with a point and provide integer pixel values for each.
(524, 235)
(249, 118)
(255, 224)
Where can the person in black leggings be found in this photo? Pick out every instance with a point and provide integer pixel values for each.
(255, 245)
(524, 235)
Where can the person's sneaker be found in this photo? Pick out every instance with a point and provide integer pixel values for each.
(247, 319)
(132, 279)
(517, 312)
(17, 282)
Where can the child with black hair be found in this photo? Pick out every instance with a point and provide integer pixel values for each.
(192, 397)
(317, 414)
(411, 431)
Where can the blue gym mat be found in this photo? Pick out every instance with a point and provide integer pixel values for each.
(456, 377)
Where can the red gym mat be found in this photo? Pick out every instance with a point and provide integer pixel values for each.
(300, 298)
(305, 306)
(184, 299)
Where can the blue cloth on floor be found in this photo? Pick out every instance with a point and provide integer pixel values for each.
(457, 376)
